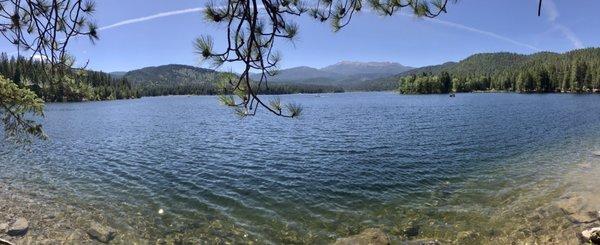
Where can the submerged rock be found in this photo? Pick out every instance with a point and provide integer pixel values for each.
(590, 235)
(596, 153)
(371, 236)
(75, 237)
(467, 237)
(595, 237)
(585, 165)
(5, 242)
(421, 242)
(19, 227)
(3, 227)
(37, 241)
(52, 215)
(101, 233)
(412, 231)
(576, 209)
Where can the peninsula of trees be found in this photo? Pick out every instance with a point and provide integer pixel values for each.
(576, 71)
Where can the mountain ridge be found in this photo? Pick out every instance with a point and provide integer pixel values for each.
(373, 67)
(341, 73)
(374, 78)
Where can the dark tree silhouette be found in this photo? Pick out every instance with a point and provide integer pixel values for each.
(42, 29)
(253, 26)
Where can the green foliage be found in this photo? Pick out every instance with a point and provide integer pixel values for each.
(576, 72)
(276, 104)
(424, 84)
(33, 84)
(15, 104)
(234, 95)
(174, 80)
(204, 46)
(295, 110)
(74, 85)
(446, 82)
(227, 100)
(43, 29)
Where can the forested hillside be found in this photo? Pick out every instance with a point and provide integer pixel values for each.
(190, 80)
(576, 71)
(78, 85)
(173, 80)
(390, 83)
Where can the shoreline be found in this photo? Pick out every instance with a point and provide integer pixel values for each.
(561, 220)
(342, 92)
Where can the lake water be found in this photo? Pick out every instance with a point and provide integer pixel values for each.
(423, 166)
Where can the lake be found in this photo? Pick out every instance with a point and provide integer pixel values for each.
(472, 167)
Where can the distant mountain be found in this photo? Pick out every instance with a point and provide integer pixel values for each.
(346, 74)
(183, 80)
(173, 79)
(493, 68)
(171, 75)
(117, 74)
(351, 68)
(301, 73)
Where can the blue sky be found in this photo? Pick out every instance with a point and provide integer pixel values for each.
(139, 33)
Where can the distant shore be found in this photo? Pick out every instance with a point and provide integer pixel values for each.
(345, 92)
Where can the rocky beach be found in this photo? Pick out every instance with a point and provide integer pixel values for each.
(572, 217)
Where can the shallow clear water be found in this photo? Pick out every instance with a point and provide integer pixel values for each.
(429, 163)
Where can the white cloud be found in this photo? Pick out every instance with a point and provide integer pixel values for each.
(551, 11)
(39, 57)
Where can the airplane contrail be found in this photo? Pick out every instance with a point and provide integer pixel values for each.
(482, 32)
(151, 17)
(552, 14)
(437, 21)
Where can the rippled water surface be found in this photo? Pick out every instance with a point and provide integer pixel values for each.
(424, 166)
